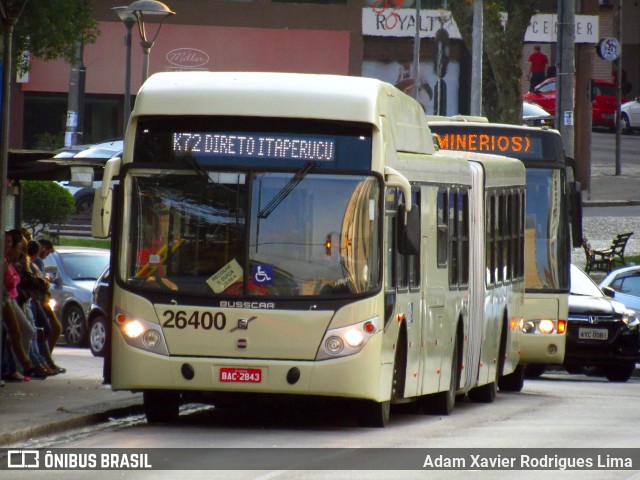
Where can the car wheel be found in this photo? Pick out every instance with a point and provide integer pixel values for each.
(98, 336)
(625, 126)
(75, 329)
(620, 372)
(84, 205)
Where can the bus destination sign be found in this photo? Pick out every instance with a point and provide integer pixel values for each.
(519, 146)
(313, 148)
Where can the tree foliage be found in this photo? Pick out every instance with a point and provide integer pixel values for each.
(50, 29)
(45, 203)
(503, 43)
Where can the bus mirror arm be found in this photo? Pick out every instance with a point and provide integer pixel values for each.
(393, 178)
(111, 169)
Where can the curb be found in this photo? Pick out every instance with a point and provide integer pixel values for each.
(610, 203)
(79, 421)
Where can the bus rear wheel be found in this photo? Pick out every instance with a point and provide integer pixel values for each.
(161, 406)
(485, 393)
(513, 382)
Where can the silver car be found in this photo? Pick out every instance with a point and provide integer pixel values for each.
(73, 272)
(625, 282)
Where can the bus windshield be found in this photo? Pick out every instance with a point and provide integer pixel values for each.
(546, 235)
(254, 233)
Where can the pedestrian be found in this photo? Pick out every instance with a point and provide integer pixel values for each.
(538, 62)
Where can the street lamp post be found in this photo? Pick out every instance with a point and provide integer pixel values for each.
(129, 20)
(142, 9)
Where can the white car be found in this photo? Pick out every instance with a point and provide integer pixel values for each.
(630, 119)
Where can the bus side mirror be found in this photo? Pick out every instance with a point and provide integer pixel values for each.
(408, 230)
(101, 215)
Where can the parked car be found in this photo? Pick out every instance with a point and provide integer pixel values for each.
(83, 196)
(601, 332)
(603, 336)
(630, 119)
(626, 284)
(534, 115)
(99, 315)
(603, 105)
(74, 271)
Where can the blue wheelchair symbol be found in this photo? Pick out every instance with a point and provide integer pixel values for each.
(262, 274)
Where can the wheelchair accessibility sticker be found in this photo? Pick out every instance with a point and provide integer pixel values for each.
(262, 274)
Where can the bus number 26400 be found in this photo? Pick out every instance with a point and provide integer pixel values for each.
(205, 320)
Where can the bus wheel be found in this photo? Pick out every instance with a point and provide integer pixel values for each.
(442, 403)
(376, 414)
(161, 406)
(512, 382)
(484, 394)
(534, 370)
(373, 414)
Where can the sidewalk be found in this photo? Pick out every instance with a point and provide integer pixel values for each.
(74, 399)
(77, 398)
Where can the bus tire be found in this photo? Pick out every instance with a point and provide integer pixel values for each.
(376, 414)
(485, 393)
(534, 370)
(513, 382)
(161, 406)
(443, 403)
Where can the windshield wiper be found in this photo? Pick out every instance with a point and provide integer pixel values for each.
(286, 190)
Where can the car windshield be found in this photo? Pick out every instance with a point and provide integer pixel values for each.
(84, 266)
(604, 89)
(581, 284)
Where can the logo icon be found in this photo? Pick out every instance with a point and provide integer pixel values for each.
(262, 274)
(23, 459)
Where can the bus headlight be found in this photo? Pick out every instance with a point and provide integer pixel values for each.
(544, 326)
(341, 342)
(142, 334)
(133, 329)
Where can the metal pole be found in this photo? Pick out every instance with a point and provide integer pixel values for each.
(565, 83)
(618, 89)
(127, 75)
(476, 59)
(8, 22)
(416, 54)
(146, 49)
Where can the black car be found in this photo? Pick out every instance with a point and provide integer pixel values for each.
(99, 315)
(602, 334)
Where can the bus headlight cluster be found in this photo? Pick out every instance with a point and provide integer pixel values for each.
(142, 334)
(341, 342)
(544, 326)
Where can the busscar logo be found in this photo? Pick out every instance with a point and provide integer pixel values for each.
(23, 459)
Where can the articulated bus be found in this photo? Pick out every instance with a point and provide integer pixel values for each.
(289, 236)
(553, 218)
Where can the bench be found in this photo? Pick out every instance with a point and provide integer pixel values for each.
(604, 260)
(597, 260)
(618, 246)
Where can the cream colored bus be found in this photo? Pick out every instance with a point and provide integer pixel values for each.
(553, 219)
(299, 235)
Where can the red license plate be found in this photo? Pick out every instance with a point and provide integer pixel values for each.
(241, 375)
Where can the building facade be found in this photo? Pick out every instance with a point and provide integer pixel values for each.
(345, 37)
